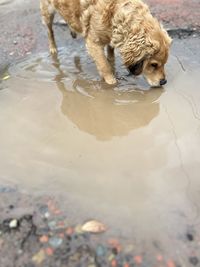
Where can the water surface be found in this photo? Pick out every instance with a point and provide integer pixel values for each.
(128, 155)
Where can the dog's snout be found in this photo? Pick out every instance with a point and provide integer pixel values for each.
(163, 82)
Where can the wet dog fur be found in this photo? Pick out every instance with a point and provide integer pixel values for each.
(123, 24)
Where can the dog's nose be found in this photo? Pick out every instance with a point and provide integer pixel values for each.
(163, 82)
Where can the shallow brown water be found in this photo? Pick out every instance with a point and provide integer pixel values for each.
(127, 154)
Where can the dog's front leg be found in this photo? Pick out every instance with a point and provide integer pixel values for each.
(97, 53)
(111, 57)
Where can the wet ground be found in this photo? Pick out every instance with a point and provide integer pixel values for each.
(74, 149)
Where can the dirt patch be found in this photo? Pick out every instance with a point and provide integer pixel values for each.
(183, 33)
(44, 236)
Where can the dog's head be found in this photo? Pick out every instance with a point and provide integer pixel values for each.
(142, 41)
(152, 59)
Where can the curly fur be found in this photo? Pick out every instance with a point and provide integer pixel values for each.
(123, 24)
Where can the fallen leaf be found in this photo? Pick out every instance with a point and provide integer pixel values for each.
(93, 227)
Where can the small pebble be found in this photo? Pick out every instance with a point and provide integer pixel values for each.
(100, 251)
(13, 223)
(44, 239)
(1, 242)
(138, 259)
(61, 235)
(49, 251)
(47, 215)
(190, 237)
(6, 78)
(69, 231)
(43, 209)
(52, 225)
(91, 261)
(20, 251)
(128, 257)
(39, 257)
(114, 243)
(7, 189)
(62, 22)
(78, 229)
(114, 263)
(129, 248)
(111, 257)
(170, 263)
(55, 242)
(94, 226)
(194, 260)
(114, 251)
(14, 42)
(56, 212)
(159, 258)
(62, 224)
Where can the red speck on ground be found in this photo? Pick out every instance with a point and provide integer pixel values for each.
(115, 244)
(49, 251)
(114, 263)
(170, 263)
(159, 258)
(69, 231)
(44, 239)
(138, 259)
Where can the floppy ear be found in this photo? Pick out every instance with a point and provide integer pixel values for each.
(134, 40)
(137, 53)
(137, 68)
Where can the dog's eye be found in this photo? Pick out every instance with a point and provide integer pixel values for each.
(154, 65)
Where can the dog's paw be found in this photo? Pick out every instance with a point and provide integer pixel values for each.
(110, 79)
(53, 50)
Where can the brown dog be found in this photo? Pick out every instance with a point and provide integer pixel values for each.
(124, 24)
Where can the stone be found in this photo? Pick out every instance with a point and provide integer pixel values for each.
(13, 224)
(100, 251)
(94, 227)
(39, 257)
(194, 260)
(47, 215)
(55, 242)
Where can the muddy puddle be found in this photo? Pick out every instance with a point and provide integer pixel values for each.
(126, 155)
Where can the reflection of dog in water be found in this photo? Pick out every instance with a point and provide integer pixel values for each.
(123, 24)
(105, 113)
